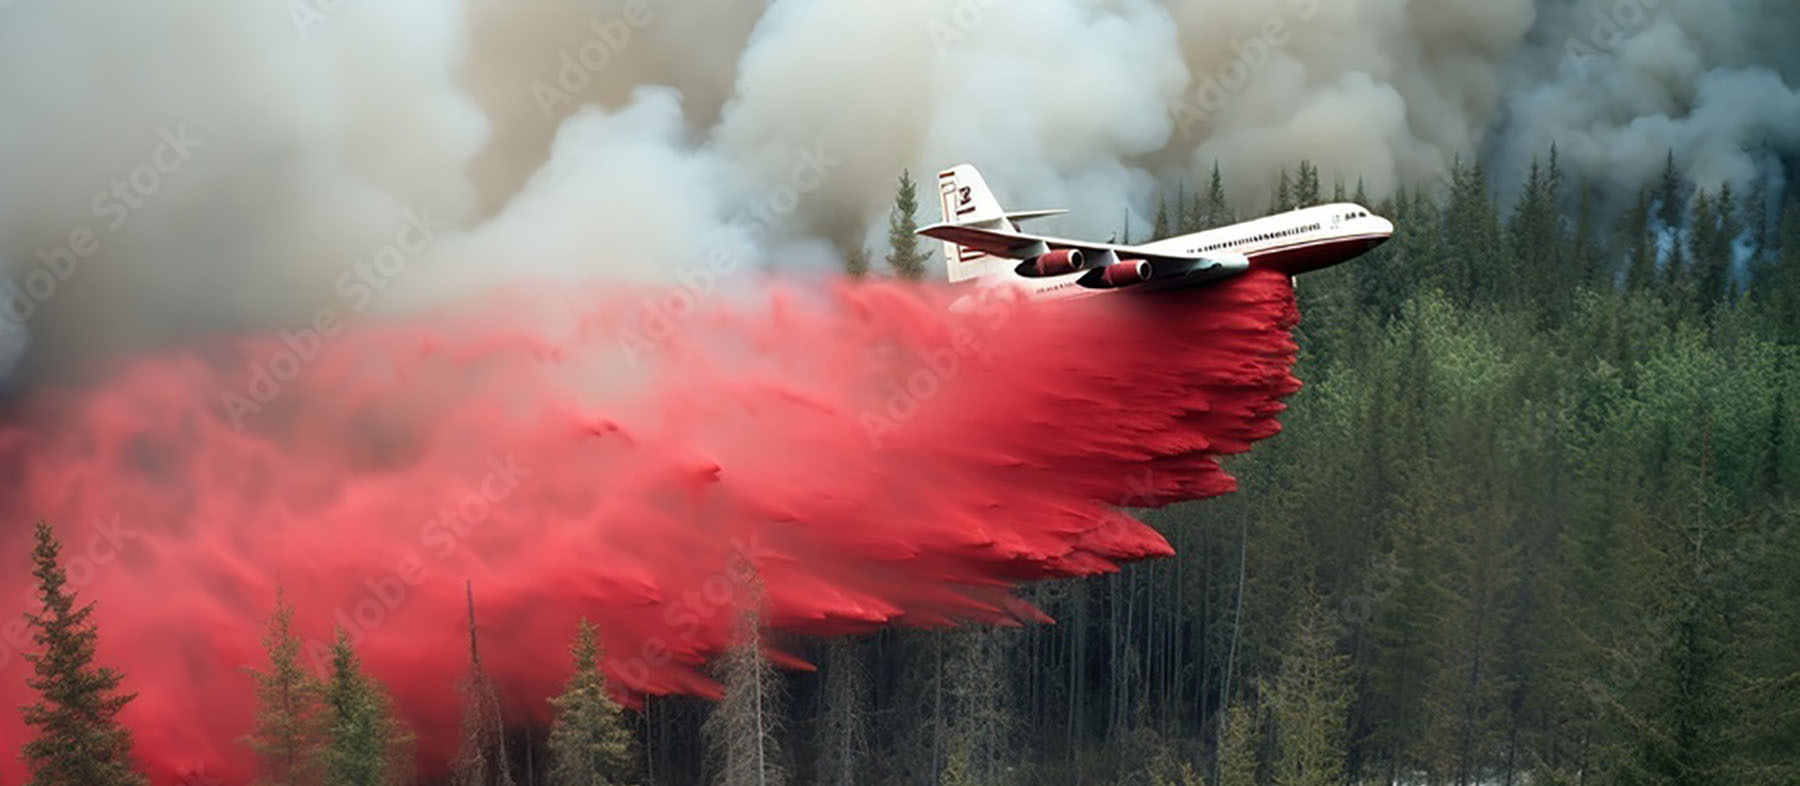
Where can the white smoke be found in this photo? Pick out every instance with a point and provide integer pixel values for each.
(386, 154)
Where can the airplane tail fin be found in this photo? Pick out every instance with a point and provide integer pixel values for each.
(966, 200)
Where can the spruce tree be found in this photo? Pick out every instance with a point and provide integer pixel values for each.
(1237, 747)
(589, 742)
(906, 259)
(1187, 211)
(1671, 204)
(1283, 199)
(287, 734)
(1160, 229)
(1306, 191)
(856, 261)
(364, 744)
(1639, 245)
(1311, 697)
(80, 741)
(1218, 210)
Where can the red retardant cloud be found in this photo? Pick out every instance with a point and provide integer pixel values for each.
(872, 455)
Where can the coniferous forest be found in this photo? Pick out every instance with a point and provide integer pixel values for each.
(1532, 520)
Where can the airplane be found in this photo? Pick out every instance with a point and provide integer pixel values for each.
(982, 241)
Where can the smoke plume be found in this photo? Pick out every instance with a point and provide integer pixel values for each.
(633, 139)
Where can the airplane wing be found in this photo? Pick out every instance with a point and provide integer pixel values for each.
(1181, 269)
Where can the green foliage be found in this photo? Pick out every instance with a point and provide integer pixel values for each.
(80, 741)
(906, 258)
(1237, 749)
(856, 261)
(589, 742)
(1311, 696)
(364, 744)
(288, 734)
(1216, 211)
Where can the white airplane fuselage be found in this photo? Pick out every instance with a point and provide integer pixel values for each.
(1292, 243)
(984, 243)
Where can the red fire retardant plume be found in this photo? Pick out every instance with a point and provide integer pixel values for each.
(870, 454)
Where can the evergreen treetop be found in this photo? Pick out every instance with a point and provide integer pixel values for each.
(80, 741)
(589, 742)
(287, 734)
(906, 258)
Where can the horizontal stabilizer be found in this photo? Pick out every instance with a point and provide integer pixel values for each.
(1027, 215)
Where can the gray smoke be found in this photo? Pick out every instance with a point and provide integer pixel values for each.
(178, 167)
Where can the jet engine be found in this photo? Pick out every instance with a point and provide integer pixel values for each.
(1056, 263)
(1125, 273)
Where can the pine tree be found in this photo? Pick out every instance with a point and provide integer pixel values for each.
(1756, 221)
(1190, 207)
(1160, 229)
(364, 744)
(1218, 211)
(1639, 245)
(1671, 204)
(589, 743)
(481, 755)
(1311, 698)
(1708, 275)
(842, 737)
(1585, 252)
(1719, 285)
(1782, 278)
(1306, 186)
(975, 673)
(287, 735)
(856, 261)
(906, 259)
(1237, 748)
(741, 733)
(80, 741)
(1283, 199)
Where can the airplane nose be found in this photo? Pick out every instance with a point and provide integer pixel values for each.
(1384, 226)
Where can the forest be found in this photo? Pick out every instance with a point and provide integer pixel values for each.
(1532, 520)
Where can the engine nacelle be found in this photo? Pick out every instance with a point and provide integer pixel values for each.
(1056, 263)
(1126, 273)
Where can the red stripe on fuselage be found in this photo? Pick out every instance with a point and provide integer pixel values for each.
(1304, 257)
